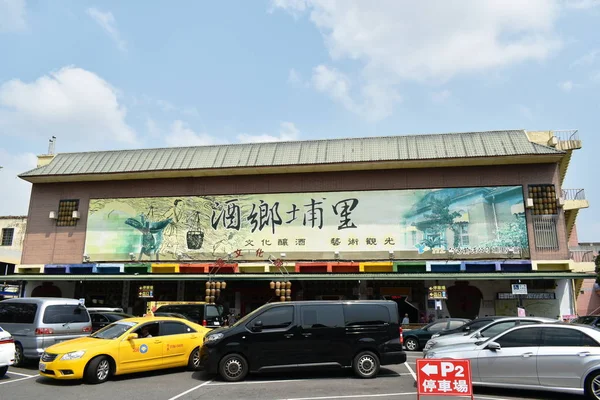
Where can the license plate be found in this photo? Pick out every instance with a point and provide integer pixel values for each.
(217, 323)
(42, 367)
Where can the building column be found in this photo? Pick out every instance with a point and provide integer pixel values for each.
(362, 290)
(564, 296)
(125, 296)
(180, 290)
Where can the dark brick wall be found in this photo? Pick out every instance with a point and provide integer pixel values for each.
(45, 243)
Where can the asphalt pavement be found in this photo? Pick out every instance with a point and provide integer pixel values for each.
(394, 382)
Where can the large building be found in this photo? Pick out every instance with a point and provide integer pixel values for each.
(379, 217)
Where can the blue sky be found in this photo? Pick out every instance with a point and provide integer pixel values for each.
(113, 74)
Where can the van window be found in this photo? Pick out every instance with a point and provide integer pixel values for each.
(212, 311)
(366, 314)
(65, 313)
(322, 316)
(277, 317)
(18, 313)
(192, 311)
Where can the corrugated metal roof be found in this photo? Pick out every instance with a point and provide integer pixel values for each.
(309, 277)
(331, 151)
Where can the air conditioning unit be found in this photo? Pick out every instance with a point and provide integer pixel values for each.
(553, 141)
(529, 203)
(561, 201)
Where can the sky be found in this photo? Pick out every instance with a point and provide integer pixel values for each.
(103, 75)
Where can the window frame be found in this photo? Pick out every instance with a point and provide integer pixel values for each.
(4, 236)
(339, 308)
(187, 328)
(537, 340)
(266, 328)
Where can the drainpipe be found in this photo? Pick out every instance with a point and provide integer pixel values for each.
(495, 216)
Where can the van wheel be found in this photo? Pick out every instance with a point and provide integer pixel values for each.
(366, 365)
(19, 357)
(592, 385)
(3, 371)
(194, 360)
(233, 368)
(98, 370)
(411, 344)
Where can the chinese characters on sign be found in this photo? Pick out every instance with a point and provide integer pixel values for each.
(444, 378)
(146, 292)
(228, 215)
(437, 293)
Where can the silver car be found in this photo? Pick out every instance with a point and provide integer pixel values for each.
(490, 330)
(39, 322)
(555, 357)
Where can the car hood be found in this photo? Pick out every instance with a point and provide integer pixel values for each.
(83, 343)
(455, 338)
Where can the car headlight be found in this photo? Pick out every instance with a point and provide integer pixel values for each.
(430, 344)
(435, 335)
(74, 355)
(430, 355)
(213, 338)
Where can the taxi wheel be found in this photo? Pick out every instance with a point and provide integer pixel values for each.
(98, 370)
(366, 365)
(194, 361)
(3, 371)
(19, 357)
(233, 368)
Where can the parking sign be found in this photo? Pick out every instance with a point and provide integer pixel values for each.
(444, 378)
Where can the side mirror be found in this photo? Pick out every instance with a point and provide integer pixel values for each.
(493, 346)
(132, 336)
(257, 326)
(467, 328)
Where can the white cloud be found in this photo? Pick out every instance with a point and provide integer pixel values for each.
(566, 86)
(107, 21)
(405, 41)
(582, 4)
(294, 78)
(76, 105)
(377, 99)
(287, 132)
(17, 191)
(442, 96)
(180, 135)
(12, 15)
(588, 59)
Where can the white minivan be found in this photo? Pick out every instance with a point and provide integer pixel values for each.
(36, 323)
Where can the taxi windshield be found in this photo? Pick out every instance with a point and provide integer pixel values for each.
(114, 330)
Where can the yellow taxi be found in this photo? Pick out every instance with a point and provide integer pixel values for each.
(126, 346)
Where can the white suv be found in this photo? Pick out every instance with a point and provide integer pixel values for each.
(7, 351)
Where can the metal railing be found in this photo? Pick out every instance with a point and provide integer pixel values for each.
(581, 255)
(566, 134)
(573, 194)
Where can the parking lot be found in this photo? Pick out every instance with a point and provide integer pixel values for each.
(394, 382)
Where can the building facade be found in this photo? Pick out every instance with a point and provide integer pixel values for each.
(12, 235)
(385, 217)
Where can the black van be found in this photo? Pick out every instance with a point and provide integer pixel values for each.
(307, 334)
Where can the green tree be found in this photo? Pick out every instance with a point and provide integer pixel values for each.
(512, 234)
(438, 221)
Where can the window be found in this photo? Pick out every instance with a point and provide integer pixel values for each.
(67, 313)
(175, 328)
(497, 329)
(192, 312)
(545, 232)
(18, 313)
(456, 324)
(65, 212)
(151, 328)
(7, 236)
(98, 318)
(413, 235)
(567, 337)
(478, 325)
(276, 318)
(521, 338)
(363, 314)
(323, 316)
(212, 312)
(437, 327)
(463, 234)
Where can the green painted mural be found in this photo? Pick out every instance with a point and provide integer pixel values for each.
(475, 222)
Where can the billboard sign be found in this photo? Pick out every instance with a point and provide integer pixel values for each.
(414, 224)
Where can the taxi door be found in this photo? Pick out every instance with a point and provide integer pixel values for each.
(142, 354)
(179, 340)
